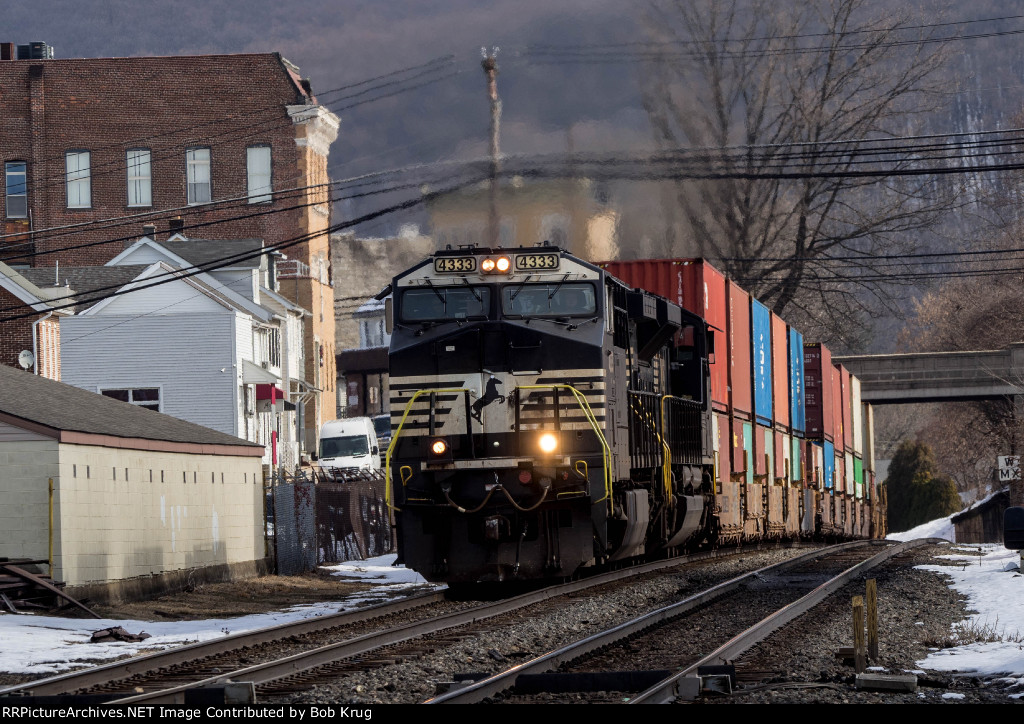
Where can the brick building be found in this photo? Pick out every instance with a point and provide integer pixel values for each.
(216, 146)
(38, 333)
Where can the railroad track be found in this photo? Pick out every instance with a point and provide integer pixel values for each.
(771, 599)
(166, 677)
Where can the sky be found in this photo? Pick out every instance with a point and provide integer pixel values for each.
(991, 582)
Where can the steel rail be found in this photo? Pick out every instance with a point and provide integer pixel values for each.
(297, 663)
(490, 686)
(105, 673)
(670, 689)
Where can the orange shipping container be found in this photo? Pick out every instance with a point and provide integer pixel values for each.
(837, 407)
(741, 376)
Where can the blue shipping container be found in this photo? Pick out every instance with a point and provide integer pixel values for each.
(761, 329)
(797, 414)
(829, 465)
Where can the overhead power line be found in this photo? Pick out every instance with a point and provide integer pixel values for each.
(920, 148)
(797, 36)
(108, 292)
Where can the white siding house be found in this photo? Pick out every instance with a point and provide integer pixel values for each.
(199, 346)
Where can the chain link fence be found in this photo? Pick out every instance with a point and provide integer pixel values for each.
(317, 516)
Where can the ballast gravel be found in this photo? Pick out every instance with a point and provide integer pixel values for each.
(797, 664)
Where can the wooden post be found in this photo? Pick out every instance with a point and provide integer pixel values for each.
(859, 658)
(872, 601)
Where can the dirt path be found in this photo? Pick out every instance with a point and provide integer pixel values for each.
(238, 598)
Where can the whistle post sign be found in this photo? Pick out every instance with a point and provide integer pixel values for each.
(1009, 467)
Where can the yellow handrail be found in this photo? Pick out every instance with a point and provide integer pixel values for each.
(666, 462)
(606, 449)
(398, 432)
(667, 465)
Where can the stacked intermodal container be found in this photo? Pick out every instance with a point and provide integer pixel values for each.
(789, 440)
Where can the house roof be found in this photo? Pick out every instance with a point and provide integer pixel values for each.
(178, 257)
(371, 308)
(999, 498)
(79, 416)
(39, 298)
(199, 252)
(85, 282)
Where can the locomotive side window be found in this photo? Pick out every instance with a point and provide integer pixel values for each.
(549, 300)
(441, 303)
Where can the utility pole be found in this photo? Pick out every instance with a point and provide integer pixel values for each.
(490, 66)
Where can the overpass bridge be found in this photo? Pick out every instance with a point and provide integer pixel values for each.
(893, 379)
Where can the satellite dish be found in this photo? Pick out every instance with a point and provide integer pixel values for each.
(26, 359)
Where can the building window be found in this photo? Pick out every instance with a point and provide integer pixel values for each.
(148, 397)
(140, 178)
(79, 183)
(258, 165)
(275, 348)
(17, 190)
(199, 176)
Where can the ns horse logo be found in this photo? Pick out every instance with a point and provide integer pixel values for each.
(490, 395)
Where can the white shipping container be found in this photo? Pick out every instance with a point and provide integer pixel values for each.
(858, 429)
(869, 438)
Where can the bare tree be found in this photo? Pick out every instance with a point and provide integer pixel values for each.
(800, 87)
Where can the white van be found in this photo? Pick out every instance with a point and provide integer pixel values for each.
(349, 443)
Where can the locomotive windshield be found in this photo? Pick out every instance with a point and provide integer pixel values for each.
(554, 299)
(435, 304)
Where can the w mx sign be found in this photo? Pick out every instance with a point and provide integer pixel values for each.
(1009, 467)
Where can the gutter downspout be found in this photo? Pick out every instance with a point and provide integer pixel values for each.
(51, 529)
(35, 342)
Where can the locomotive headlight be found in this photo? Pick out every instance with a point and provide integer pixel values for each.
(487, 265)
(547, 443)
(438, 447)
(503, 264)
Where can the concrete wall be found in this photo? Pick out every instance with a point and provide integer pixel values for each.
(27, 462)
(121, 514)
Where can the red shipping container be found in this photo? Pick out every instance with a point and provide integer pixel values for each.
(780, 454)
(741, 375)
(697, 287)
(818, 392)
(847, 390)
(780, 373)
(837, 409)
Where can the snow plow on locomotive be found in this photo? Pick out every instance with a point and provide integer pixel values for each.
(547, 417)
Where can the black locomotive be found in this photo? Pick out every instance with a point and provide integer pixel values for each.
(545, 417)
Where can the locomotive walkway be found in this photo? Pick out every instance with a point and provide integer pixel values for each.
(892, 379)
